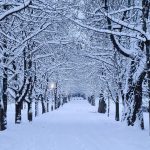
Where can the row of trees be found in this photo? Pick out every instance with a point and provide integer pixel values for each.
(94, 46)
(125, 26)
(33, 39)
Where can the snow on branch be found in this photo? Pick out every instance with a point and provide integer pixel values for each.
(14, 10)
(136, 36)
(141, 69)
(52, 69)
(97, 59)
(125, 9)
(127, 25)
(25, 40)
(9, 37)
(124, 50)
(42, 56)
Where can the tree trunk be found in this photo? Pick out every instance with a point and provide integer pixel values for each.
(117, 108)
(108, 106)
(47, 105)
(148, 74)
(30, 102)
(3, 102)
(18, 106)
(134, 111)
(102, 104)
(2, 119)
(43, 105)
(30, 111)
(92, 100)
(36, 106)
(145, 26)
(55, 97)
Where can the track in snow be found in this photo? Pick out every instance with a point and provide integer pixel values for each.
(75, 126)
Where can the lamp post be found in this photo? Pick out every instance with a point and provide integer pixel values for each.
(53, 87)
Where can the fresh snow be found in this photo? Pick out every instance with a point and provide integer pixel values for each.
(75, 126)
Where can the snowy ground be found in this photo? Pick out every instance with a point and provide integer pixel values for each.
(75, 126)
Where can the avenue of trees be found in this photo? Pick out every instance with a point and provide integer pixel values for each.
(103, 43)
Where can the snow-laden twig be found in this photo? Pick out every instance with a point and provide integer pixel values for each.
(15, 9)
(24, 41)
(127, 25)
(131, 35)
(121, 10)
(9, 37)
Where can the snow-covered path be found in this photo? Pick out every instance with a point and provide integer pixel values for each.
(75, 126)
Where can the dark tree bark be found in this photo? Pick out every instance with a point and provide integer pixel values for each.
(2, 119)
(30, 102)
(47, 105)
(137, 106)
(89, 100)
(92, 100)
(102, 104)
(134, 104)
(43, 104)
(36, 107)
(18, 106)
(20, 93)
(59, 101)
(145, 16)
(4, 98)
(64, 99)
(55, 97)
(108, 107)
(30, 111)
(117, 108)
(3, 101)
(30, 95)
